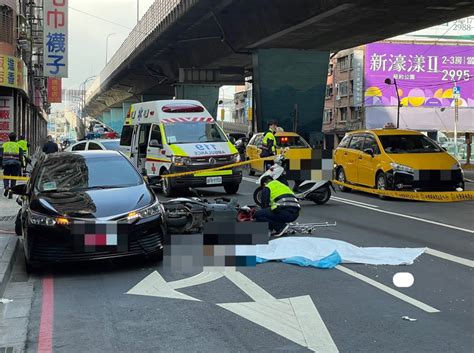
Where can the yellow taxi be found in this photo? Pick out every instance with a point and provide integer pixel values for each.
(394, 159)
(298, 148)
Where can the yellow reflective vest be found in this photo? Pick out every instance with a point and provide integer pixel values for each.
(11, 151)
(281, 195)
(267, 138)
(24, 146)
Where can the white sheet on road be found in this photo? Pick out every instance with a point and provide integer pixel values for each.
(318, 248)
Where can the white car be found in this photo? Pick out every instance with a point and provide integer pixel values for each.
(98, 145)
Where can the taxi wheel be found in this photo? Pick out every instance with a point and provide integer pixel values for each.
(381, 183)
(341, 176)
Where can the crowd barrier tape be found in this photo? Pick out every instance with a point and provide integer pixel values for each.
(227, 166)
(175, 175)
(428, 196)
(10, 177)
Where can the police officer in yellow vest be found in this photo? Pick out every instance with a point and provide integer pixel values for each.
(279, 206)
(12, 156)
(24, 145)
(269, 143)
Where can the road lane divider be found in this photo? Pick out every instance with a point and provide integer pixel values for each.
(428, 196)
(350, 202)
(449, 257)
(387, 289)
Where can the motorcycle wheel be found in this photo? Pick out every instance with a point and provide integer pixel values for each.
(321, 197)
(257, 196)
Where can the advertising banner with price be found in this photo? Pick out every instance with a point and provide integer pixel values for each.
(425, 74)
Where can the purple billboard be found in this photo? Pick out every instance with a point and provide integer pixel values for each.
(425, 74)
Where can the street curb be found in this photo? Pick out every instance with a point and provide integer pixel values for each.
(7, 261)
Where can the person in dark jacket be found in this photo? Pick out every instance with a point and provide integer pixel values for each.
(50, 146)
(12, 157)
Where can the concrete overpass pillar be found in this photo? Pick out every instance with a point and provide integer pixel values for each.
(107, 117)
(117, 119)
(208, 95)
(286, 81)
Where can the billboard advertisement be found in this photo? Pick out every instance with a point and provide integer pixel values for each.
(425, 74)
(55, 46)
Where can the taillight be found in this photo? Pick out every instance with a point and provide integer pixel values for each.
(182, 108)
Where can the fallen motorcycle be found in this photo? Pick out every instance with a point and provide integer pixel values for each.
(318, 192)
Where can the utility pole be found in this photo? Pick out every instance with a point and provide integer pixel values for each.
(456, 115)
(138, 11)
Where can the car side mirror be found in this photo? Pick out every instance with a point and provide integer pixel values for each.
(369, 151)
(155, 143)
(19, 190)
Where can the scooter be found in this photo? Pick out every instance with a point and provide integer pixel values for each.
(311, 190)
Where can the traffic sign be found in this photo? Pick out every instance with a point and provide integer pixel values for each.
(456, 92)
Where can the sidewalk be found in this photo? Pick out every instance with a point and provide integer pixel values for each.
(9, 242)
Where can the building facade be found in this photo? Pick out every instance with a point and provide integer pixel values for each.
(23, 92)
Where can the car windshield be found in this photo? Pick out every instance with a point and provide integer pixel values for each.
(193, 132)
(111, 145)
(408, 144)
(73, 172)
(292, 142)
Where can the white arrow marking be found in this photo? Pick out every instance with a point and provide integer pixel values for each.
(296, 319)
(155, 286)
(203, 277)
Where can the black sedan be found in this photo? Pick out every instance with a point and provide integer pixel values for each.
(88, 206)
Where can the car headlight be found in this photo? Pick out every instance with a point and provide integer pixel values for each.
(401, 168)
(456, 166)
(42, 220)
(146, 212)
(236, 158)
(180, 160)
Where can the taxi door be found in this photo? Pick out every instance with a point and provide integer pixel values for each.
(351, 157)
(368, 162)
(257, 150)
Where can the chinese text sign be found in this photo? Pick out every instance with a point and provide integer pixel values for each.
(55, 38)
(425, 74)
(6, 117)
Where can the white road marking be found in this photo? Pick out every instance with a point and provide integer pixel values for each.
(154, 285)
(374, 208)
(395, 293)
(315, 331)
(201, 278)
(296, 319)
(348, 201)
(251, 180)
(247, 286)
(449, 257)
(411, 217)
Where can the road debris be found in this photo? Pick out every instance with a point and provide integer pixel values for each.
(407, 318)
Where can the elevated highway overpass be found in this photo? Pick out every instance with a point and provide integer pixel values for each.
(189, 48)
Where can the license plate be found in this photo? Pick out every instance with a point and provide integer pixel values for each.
(213, 180)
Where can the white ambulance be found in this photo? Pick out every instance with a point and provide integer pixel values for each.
(172, 136)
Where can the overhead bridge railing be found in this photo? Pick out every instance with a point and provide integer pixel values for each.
(153, 19)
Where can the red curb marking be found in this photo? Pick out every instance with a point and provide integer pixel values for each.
(45, 340)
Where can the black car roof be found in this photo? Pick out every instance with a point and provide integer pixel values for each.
(86, 154)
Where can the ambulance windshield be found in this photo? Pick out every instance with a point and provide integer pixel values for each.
(193, 132)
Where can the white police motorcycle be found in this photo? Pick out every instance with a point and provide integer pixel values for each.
(311, 190)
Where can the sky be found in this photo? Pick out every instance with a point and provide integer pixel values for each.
(87, 34)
